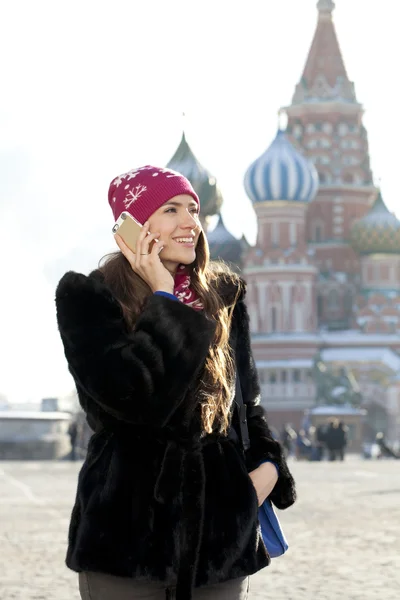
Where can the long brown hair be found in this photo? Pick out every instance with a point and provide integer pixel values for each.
(131, 291)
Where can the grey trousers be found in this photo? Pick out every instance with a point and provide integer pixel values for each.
(98, 586)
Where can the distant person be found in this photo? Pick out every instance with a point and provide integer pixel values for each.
(73, 436)
(156, 338)
(342, 439)
(334, 440)
(288, 437)
(303, 446)
(306, 422)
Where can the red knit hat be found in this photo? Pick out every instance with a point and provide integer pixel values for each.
(140, 192)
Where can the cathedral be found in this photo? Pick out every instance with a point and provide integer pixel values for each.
(324, 275)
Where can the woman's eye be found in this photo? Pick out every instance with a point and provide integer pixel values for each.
(170, 210)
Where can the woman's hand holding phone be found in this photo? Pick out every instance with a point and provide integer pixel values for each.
(147, 264)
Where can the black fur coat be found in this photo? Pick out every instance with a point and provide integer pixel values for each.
(155, 500)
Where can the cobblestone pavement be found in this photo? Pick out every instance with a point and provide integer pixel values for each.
(344, 533)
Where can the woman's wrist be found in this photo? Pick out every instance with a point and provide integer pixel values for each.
(270, 469)
(270, 462)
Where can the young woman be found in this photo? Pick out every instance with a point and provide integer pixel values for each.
(167, 503)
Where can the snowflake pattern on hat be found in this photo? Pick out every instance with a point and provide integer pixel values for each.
(134, 194)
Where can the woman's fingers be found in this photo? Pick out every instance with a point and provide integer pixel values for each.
(157, 247)
(144, 240)
(145, 246)
(142, 236)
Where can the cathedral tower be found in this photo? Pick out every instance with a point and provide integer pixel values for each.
(281, 278)
(325, 122)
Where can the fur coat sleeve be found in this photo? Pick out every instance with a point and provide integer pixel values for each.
(130, 375)
(263, 447)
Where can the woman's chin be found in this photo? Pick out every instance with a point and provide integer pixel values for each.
(185, 256)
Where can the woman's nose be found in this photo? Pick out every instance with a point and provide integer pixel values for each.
(189, 222)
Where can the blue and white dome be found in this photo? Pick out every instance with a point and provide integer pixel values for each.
(281, 173)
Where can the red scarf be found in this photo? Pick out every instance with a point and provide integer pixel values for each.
(183, 291)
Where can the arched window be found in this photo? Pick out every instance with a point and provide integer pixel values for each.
(348, 302)
(333, 300)
(297, 131)
(275, 234)
(320, 307)
(324, 177)
(348, 178)
(274, 320)
(293, 234)
(317, 231)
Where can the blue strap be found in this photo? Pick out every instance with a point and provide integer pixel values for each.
(242, 412)
(166, 295)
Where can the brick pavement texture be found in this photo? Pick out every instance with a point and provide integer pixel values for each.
(344, 533)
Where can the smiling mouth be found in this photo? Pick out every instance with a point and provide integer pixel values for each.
(187, 242)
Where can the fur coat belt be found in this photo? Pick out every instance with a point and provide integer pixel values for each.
(183, 459)
(185, 462)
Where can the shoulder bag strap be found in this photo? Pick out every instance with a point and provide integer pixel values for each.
(242, 414)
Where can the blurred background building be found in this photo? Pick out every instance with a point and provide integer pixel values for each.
(324, 275)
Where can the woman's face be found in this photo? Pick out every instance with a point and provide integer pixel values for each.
(177, 222)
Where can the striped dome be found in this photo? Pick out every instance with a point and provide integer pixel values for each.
(281, 173)
(378, 232)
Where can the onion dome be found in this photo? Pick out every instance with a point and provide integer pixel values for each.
(204, 184)
(223, 245)
(378, 232)
(281, 173)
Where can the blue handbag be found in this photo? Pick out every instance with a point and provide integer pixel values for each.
(271, 530)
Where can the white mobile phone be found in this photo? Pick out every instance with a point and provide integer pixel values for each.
(129, 229)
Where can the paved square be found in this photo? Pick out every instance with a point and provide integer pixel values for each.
(344, 533)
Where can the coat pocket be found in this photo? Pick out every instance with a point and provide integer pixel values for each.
(231, 508)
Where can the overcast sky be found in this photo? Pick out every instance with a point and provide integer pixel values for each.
(92, 89)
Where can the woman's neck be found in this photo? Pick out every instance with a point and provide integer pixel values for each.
(171, 267)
